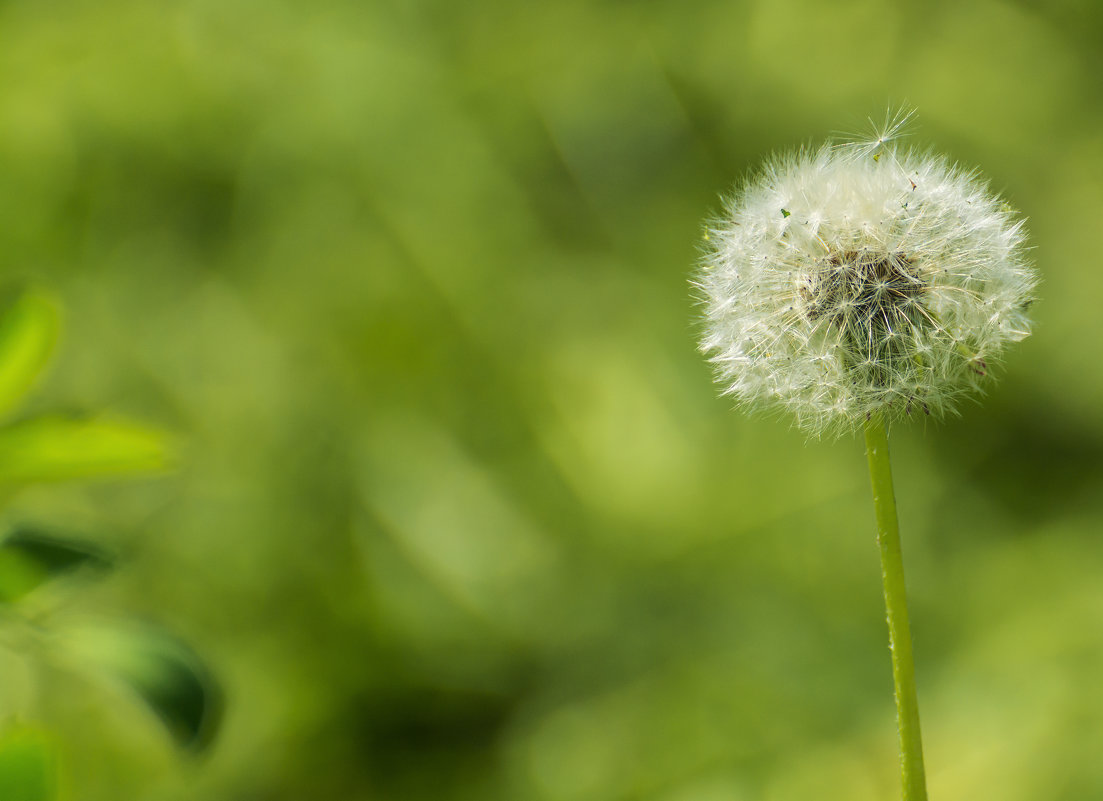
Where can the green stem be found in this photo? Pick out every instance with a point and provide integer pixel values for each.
(896, 604)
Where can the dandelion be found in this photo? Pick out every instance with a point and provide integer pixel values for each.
(862, 279)
(857, 284)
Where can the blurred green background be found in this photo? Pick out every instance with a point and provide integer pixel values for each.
(459, 514)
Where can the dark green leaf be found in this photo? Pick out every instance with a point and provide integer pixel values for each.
(30, 558)
(164, 672)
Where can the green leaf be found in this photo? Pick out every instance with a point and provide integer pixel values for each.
(164, 672)
(28, 766)
(56, 448)
(30, 558)
(28, 333)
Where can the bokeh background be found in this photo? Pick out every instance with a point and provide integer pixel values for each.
(459, 515)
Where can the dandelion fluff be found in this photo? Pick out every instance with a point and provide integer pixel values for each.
(862, 279)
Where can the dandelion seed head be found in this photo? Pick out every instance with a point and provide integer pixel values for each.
(862, 278)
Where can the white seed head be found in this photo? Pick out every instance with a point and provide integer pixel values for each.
(862, 279)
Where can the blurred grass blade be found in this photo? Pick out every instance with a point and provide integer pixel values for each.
(28, 766)
(165, 673)
(56, 448)
(28, 332)
(30, 558)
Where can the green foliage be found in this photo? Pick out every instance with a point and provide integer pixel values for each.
(29, 558)
(28, 333)
(161, 670)
(55, 448)
(28, 766)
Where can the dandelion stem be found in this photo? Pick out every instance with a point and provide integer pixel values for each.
(900, 639)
